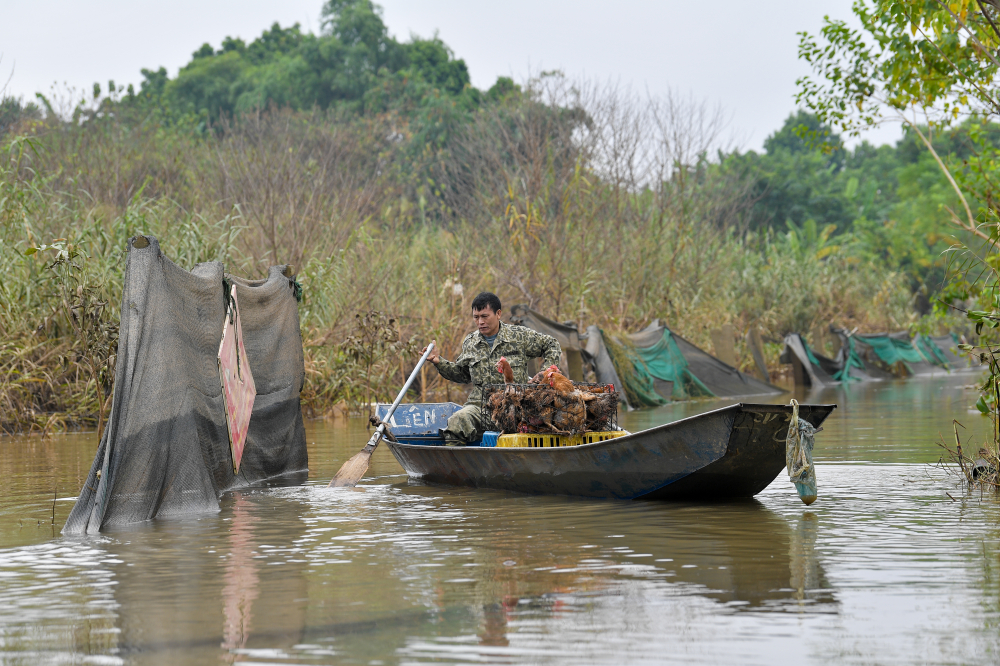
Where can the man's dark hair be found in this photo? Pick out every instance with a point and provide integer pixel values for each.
(484, 299)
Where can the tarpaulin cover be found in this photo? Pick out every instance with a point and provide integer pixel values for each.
(566, 334)
(165, 450)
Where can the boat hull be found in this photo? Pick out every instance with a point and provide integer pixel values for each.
(723, 454)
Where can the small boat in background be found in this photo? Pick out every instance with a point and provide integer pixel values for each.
(728, 453)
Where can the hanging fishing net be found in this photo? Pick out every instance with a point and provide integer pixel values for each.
(690, 372)
(637, 381)
(931, 352)
(165, 450)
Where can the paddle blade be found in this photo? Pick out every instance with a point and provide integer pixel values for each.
(352, 470)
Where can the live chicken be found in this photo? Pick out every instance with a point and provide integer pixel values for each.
(552, 403)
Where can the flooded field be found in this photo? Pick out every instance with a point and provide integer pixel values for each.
(892, 565)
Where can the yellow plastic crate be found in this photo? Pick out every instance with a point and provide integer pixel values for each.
(534, 441)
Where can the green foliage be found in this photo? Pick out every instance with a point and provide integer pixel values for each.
(889, 204)
(937, 60)
(83, 297)
(346, 65)
(14, 112)
(908, 54)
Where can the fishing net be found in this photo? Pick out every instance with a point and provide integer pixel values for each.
(572, 361)
(948, 346)
(850, 360)
(874, 357)
(891, 350)
(665, 362)
(165, 450)
(894, 354)
(540, 408)
(686, 371)
(818, 370)
(636, 379)
(926, 345)
(651, 367)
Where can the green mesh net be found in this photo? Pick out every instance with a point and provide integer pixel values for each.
(930, 350)
(639, 367)
(666, 363)
(892, 351)
(809, 352)
(851, 360)
(637, 382)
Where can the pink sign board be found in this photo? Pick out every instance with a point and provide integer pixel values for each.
(238, 389)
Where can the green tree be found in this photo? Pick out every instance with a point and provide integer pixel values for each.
(354, 62)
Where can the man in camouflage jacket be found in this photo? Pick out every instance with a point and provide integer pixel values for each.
(477, 363)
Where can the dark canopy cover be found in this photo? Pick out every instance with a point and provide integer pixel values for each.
(165, 450)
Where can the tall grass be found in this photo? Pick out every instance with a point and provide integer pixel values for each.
(614, 216)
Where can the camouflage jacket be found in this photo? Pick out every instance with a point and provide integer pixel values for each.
(477, 363)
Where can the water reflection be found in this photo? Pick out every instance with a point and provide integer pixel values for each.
(241, 579)
(807, 574)
(366, 574)
(487, 563)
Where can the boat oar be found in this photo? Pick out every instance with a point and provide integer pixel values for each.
(352, 470)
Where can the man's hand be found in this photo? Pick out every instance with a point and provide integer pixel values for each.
(435, 355)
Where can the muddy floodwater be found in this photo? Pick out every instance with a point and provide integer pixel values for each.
(885, 568)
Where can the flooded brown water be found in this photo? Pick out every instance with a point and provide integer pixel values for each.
(884, 568)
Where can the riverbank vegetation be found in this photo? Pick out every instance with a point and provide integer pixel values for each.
(392, 184)
(933, 67)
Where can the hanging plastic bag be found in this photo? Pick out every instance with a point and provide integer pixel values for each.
(798, 455)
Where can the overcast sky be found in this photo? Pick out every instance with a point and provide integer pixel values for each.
(739, 54)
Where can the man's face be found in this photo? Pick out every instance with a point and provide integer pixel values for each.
(487, 321)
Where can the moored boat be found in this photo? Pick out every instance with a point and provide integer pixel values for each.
(726, 453)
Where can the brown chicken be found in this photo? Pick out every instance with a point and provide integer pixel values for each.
(558, 381)
(551, 403)
(503, 367)
(570, 403)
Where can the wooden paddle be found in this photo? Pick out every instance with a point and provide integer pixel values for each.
(352, 470)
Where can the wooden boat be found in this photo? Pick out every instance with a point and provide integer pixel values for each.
(726, 453)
